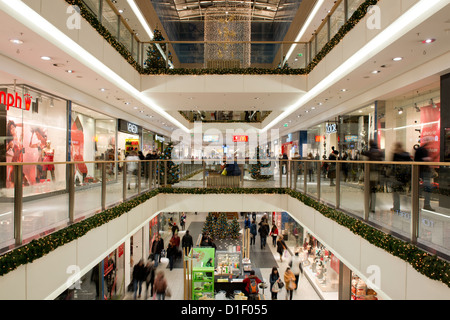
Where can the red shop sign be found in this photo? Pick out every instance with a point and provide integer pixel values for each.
(240, 138)
(121, 250)
(10, 100)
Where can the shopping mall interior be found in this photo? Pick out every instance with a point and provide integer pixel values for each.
(175, 150)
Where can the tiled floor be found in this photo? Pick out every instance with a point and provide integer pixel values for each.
(175, 277)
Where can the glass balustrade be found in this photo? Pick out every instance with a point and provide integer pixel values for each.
(410, 201)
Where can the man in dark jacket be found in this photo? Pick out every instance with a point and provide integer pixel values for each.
(138, 277)
(157, 248)
(187, 243)
(253, 232)
(374, 154)
(263, 231)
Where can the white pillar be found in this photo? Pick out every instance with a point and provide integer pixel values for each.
(146, 241)
(127, 263)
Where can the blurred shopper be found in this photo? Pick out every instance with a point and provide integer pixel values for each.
(274, 234)
(425, 174)
(157, 248)
(374, 154)
(138, 277)
(289, 280)
(253, 232)
(160, 287)
(149, 278)
(187, 243)
(275, 281)
(296, 267)
(400, 174)
(281, 246)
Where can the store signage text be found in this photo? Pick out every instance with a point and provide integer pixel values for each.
(331, 128)
(9, 100)
(159, 138)
(132, 128)
(240, 138)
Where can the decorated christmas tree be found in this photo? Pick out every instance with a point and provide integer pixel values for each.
(220, 228)
(234, 229)
(172, 170)
(155, 59)
(257, 168)
(209, 223)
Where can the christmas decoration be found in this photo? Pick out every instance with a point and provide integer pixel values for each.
(234, 229)
(168, 167)
(255, 169)
(220, 228)
(357, 16)
(208, 225)
(425, 263)
(155, 59)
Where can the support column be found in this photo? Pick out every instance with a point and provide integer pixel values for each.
(444, 172)
(345, 282)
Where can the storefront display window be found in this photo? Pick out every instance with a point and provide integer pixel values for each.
(322, 268)
(360, 290)
(92, 138)
(33, 129)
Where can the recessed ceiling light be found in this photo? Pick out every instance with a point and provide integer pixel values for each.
(427, 41)
(16, 41)
(120, 11)
(45, 58)
(70, 71)
(135, 108)
(344, 90)
(376, 72)
(102, 89)
(398, 59)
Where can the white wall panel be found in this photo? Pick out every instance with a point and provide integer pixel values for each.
(13, 285)
(117, 229)
(416, 283)
(55, 12)
(50, 272)
(47, 276)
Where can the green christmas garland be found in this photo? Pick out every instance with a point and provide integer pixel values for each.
(359, 14)
(429, 265)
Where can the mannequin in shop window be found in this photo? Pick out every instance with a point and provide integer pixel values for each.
(14, 149)
(48, 155)
(40, 145)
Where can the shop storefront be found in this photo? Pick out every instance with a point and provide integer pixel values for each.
(105, 281)
(33, 128)
(129, 138)
(92, 138)
(148, 142)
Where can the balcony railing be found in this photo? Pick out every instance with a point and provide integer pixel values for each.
(345, 14)
(408, 200)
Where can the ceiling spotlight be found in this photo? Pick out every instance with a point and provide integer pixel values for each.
(70, 71)
(102, 89)
(428, 41)
(376, 72)
(400, 110)
(344, 90)
(45, 58)
(16, 41)
(398, 59)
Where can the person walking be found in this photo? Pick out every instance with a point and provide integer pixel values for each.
(253, 233)
(422, 155)
(275, 279)
(138, 277)
(157, 248)
(281, 246)
(187, 243)
(374, 154)
(251, 286)
(183, 221)
(132, 168)
(263, 231)
(160, 287)
(274, 234)
(296, 267)
(400, 174)
(149, 278)
(171, 253)
(289, 280)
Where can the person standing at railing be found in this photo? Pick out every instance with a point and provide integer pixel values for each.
(374, 154)
(132, 168)
(422, 155)
(400, 174)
